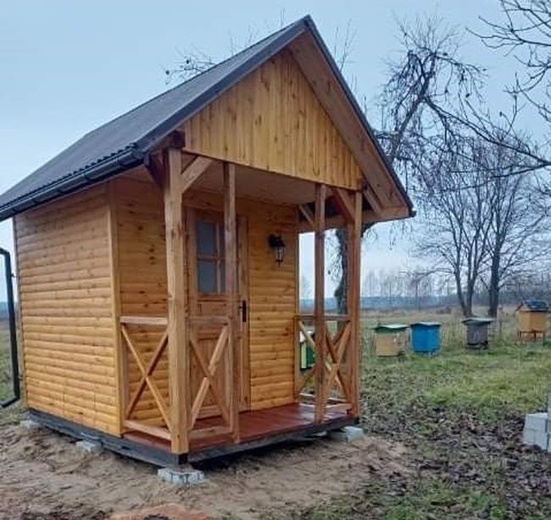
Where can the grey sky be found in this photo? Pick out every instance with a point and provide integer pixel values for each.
(69, 66)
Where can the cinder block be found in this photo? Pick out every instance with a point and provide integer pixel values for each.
(181, 476)
(30, 425)
(536, 421)
(537, 430)
(89, 447)
(536, 438)
(347, 434)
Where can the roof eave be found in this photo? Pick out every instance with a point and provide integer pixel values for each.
(93, 174)
(359, 112)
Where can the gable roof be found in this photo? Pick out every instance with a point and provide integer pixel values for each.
(534, 306)
(126, 141)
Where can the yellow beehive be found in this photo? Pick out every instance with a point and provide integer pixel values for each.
(390, 340)
(532, 320)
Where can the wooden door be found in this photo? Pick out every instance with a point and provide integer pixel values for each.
(207, 299)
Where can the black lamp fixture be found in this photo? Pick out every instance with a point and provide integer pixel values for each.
(278, 247)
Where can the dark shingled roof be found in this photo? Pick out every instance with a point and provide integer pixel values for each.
(125, 141)
(535, 305)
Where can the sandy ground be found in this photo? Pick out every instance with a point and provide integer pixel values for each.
(44, 476)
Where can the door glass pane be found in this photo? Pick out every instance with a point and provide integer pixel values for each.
(206, 276)
(206, 238)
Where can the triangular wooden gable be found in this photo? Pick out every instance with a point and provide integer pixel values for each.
(272, 120)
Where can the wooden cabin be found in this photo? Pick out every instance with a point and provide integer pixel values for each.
(157, 260)
(532, 320)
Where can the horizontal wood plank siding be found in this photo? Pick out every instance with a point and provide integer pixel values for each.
(272, 120)
(139, 216)
(66, 319)
(272, 298)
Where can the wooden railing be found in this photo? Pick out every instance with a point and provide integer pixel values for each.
(128, 324)
(329, 382)
(209, 367)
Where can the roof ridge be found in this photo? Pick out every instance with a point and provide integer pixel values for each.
(304, 20)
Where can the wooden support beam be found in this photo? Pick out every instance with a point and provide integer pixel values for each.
(344, 202)
(157, 170)
(373, 200)
(353, 304)
(154, 321)
(310, 219)
(368, 217)
(230, 243)
(193, 171)
(178, 340)
(154, 431)
(319, 302)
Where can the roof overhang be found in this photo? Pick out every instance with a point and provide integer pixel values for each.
(381, 186)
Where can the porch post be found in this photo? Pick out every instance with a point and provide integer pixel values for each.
(353, 303)
(178, 340)
(319, 302)
(230, 243)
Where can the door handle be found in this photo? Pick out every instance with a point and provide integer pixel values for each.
(243, 308)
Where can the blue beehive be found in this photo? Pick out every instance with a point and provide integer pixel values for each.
(425, 337)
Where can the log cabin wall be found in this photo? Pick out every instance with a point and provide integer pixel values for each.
(272, 120)
(138, 213)
(272, 289)
(273, 305)
(65, 288)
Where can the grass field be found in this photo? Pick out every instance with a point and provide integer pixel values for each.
(5, 370)
(461, 415)
(11, 414)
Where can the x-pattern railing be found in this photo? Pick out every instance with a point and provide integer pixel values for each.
(336, 390)
(210, 369)
(146, 370)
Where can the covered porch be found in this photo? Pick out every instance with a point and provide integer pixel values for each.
(204, 411)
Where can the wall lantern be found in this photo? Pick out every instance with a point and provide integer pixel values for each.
(278, 247)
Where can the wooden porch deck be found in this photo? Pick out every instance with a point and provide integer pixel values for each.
(257, 428)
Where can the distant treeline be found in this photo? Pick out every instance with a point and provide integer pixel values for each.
(509, 298)
(385, 302)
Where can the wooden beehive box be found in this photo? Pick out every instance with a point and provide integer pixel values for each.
(390, 340)
(532, 320)
(532, 316)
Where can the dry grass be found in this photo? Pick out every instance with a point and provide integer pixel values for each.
(461, 414)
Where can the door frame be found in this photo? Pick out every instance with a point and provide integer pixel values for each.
(190, 214)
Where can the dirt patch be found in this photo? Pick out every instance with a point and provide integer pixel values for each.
(44, 476)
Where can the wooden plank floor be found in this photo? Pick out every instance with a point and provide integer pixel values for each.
(253, 426)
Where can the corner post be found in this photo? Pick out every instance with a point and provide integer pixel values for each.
(353, 304)
(230, 242)
(178, 340)
(319, 302)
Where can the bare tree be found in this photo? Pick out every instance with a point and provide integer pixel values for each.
(456, 219)
(518, 235)
(489, 231)
(417, 103)
(421, 96)
(525, 32)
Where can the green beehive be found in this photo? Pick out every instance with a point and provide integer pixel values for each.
(391, 339)
(307, 355)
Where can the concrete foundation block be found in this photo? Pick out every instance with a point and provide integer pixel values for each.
(537, 431)
(347, 434)
(29, 424)
(181, 476)
(536, 421)
(89, 447)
